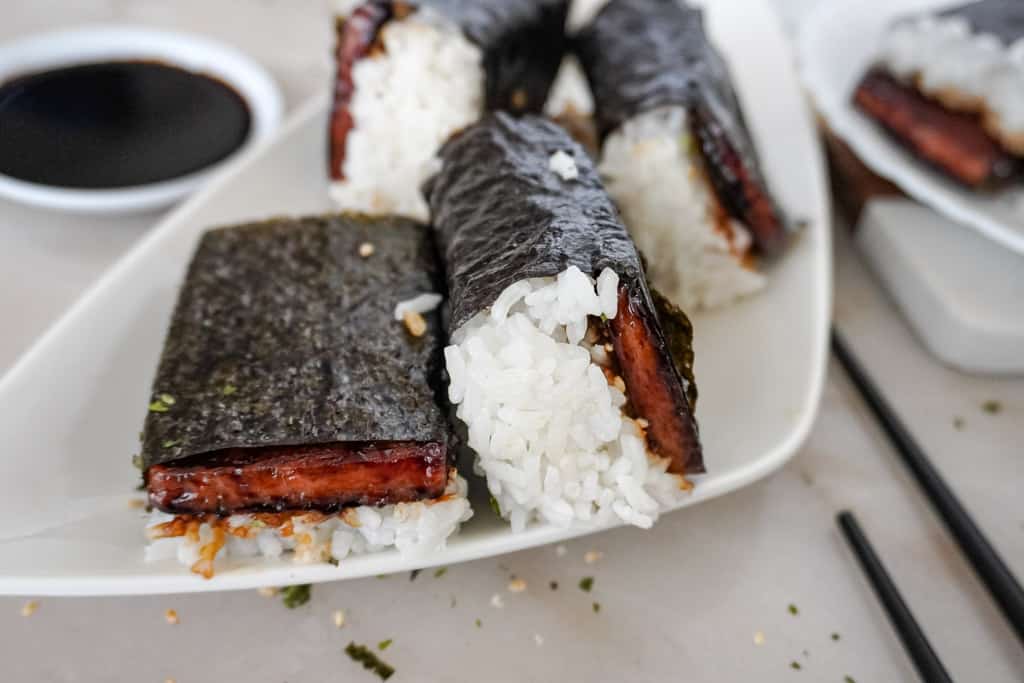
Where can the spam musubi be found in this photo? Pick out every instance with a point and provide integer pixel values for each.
(675, 154)
(297, 403)
(575, 399)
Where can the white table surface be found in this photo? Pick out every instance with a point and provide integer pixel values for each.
(680, 602)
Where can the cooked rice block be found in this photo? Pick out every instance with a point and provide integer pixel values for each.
(415, 529)
(697, 254)
(411, 74)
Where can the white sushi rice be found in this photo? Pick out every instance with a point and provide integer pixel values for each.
(414, 529)
(427, 84)
(650, 168)
(421, 303)
(544, 421)
(563, 165)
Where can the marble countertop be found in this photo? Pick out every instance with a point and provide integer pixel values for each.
(704, 596)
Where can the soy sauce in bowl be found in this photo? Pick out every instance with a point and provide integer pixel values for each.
(117, 124)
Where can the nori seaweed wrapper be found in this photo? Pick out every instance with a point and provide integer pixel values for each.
(1003, 19)
(284, 335)
(502, 215)
(640, 55)
(643, 54)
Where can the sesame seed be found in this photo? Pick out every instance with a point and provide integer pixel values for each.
(267, 591)
(642, 423)
(519, 98)
(592, 556)
(339, 618)
(496, 601)
(29, 608)
(758, 638)
(619, 384)
(169, 680)
(516, 586)
(415, 323)
(366, 249)
(609, 348)
(136, 503)
(560, 550)
(538, 638)
(171, 616)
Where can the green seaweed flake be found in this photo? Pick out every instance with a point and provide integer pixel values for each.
(369, 660)
(495, 506)
(385, 644)
(170, 443)
(229, 389)
(158, 406)
(438, 573)
(992, 407)
(296, 596)
(586, 583)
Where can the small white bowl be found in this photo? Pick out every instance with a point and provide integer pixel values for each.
(114, 42)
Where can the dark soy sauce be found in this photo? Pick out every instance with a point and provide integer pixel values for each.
(117, 124)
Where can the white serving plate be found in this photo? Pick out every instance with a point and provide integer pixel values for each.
(114, 42)
(838, 41)
(71, 408)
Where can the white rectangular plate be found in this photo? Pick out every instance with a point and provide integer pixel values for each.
(71, 409)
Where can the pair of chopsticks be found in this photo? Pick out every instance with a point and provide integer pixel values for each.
(989, 566)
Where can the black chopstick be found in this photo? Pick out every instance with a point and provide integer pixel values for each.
(927, 663)
(997, 577)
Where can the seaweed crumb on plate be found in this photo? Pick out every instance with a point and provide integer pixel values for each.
(586, 583)
(793, 609)
(992, 407)
(369, 660)
(296, 596)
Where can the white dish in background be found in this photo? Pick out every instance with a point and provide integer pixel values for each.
(105, 43)
(71, 409)
(837, 43)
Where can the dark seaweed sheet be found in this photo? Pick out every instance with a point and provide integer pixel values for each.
(502, 215)
(523, 42)
(284, 335)
(640, 55)
(1003, 19)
